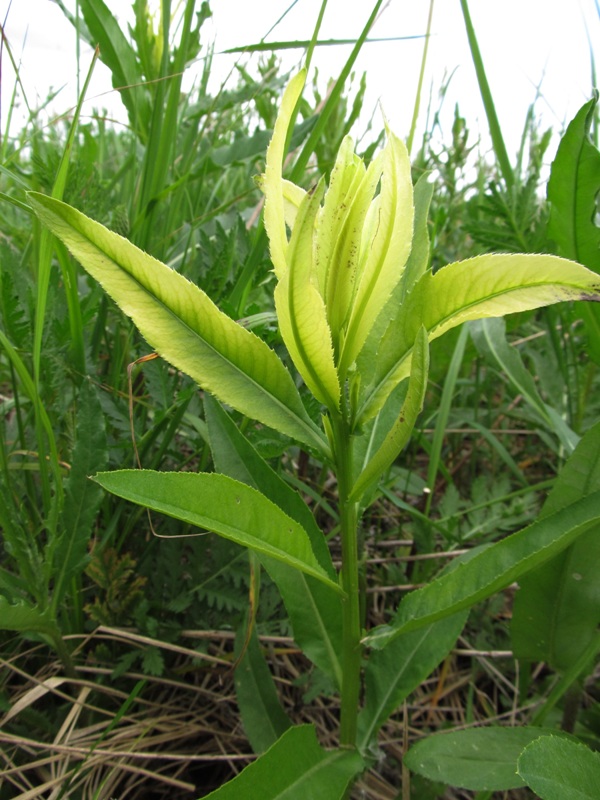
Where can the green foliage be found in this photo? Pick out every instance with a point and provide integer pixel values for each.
(179, 184)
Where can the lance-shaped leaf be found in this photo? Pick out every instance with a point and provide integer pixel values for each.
(313, 608)
(491, 570)
(294, 768)
(225, 506)
(393, 673)
(573, 194)
(387, 252)
(183, 324)
(348, 171)
(573, 191)
(400, 433)
(344, 269)
(301, 310)
(271, 182)
(556, 611)
(484, 286)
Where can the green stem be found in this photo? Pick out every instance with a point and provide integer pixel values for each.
(351, 627)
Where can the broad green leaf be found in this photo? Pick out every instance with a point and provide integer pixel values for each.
(573, 191)
(480, 759)
(301, 310)
(556, 768)
(400, 433)
(393, 673)
(271, 184)
(492, 569)
(262, 715)
(483, 286)
(489, 336)
(225, 506)
(313, 608)
(184, 325)
(557, 609)
(295, 768)
(386, 253)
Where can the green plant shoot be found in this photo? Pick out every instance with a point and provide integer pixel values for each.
(357, 306)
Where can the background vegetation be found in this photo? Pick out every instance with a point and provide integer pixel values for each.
(118, 647)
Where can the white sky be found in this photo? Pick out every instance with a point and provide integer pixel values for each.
(525, 43)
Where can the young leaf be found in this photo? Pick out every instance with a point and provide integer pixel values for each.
(220, 504)
(400, 433)
(393, 673)
(184, 325)
(492, 569)
(557, 608)
(556, 768)
(271, 182)
(301, 310)
(262, 715)
(482, 759)
(387, 252)
(294, 768)
(313, 608)
(483, 286)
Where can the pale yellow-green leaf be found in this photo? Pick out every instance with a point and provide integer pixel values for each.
(386, 254)
(484, 286)
(184, 326)
(301, 310)
(274, 214)
(292, 197)
(343, 274)
(347, 172)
